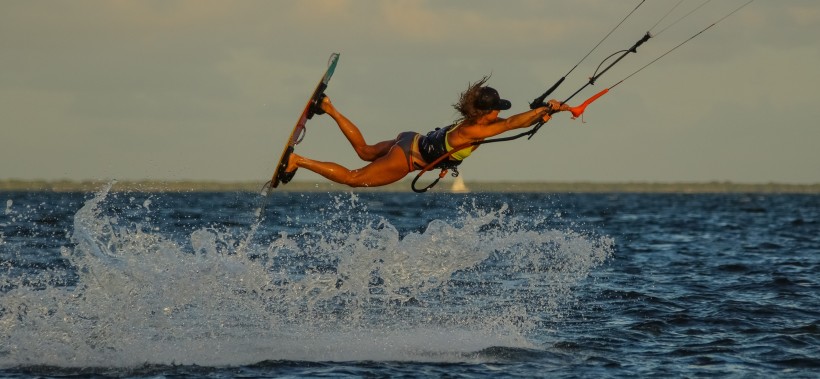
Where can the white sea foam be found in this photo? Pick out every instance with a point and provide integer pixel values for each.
(352, 288)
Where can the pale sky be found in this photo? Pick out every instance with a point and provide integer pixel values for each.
(209, 90)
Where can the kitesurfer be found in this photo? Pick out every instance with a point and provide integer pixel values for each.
(392, 160)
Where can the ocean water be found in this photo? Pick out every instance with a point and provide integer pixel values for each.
(351, 284)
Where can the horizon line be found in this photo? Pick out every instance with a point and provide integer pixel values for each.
(149, 185)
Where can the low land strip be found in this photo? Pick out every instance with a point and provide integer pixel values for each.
(404, 186)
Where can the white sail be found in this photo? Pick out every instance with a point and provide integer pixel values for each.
(459, 186)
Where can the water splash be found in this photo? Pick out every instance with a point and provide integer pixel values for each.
(361, 291)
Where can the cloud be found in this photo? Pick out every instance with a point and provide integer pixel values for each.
(422, 22)
(804, 15)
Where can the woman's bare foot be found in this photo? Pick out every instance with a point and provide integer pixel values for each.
(292, 166)
(326, 105)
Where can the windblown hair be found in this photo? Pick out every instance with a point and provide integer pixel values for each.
(466, 102)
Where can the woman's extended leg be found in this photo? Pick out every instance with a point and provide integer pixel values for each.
(366, 152)
(389, 168)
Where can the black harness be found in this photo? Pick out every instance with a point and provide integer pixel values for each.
(433, 146)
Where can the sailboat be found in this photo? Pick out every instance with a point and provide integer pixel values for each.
(459, 186)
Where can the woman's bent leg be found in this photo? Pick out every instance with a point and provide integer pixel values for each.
(366, 152)
(388, 169)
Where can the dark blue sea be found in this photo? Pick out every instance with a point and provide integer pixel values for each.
(364, 284)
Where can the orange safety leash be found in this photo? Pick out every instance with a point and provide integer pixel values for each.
(443, 170)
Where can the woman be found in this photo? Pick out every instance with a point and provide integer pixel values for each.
(392, 160)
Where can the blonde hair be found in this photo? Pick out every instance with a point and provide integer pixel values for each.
(466, 102)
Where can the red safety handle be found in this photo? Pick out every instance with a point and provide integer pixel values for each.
(579, 110)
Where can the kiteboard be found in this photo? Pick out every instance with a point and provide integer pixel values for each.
(298, 132)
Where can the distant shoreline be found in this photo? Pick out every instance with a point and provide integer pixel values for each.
(404, 186)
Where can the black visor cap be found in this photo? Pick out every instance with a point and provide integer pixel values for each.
(488, 99)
